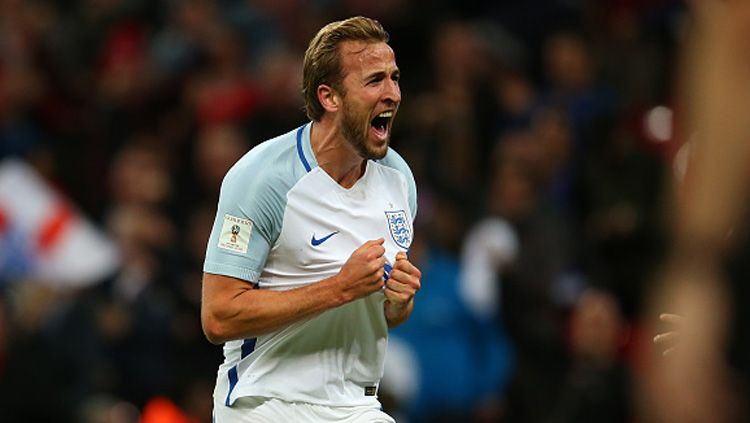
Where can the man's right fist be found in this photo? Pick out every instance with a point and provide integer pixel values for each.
(362, 274)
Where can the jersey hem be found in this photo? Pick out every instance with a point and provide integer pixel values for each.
(239, 392)
(232, 271)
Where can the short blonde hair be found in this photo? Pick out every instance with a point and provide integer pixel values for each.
(322, 63)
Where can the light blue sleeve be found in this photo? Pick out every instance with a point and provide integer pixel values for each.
(412, 186)
(395, 161)
(251, 202)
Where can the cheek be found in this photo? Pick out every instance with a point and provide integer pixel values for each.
(363, 113)
(372, 94)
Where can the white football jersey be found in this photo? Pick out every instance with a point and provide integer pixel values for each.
(283, 222)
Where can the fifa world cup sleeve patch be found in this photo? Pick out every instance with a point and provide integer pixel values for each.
(235, 234)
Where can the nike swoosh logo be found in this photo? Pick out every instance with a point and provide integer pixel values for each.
(316, 242)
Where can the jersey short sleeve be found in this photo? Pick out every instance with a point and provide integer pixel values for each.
(248, 220)
(395, 161)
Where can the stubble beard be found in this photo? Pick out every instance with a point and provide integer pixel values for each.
(351, 128)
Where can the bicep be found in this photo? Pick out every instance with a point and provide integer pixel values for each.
(247, 223)
(220, 288)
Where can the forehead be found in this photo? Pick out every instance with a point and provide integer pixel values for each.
(361, 57)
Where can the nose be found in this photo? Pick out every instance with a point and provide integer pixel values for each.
(392, 92)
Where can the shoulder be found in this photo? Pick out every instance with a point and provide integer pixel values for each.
(394, 161)
(271, 165)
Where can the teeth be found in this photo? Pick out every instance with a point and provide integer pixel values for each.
(386, 114)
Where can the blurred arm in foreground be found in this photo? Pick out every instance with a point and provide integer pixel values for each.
(693, 384)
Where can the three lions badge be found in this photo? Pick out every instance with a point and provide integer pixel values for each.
(399, 227)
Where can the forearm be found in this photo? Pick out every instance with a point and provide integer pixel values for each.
(239, 311)
(395, 315)
(719, 77)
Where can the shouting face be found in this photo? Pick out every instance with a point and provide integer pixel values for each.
(370, 96)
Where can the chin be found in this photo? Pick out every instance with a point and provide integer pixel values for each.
(379, 151)
(377, 155)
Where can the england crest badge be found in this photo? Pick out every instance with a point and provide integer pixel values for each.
(400, 229)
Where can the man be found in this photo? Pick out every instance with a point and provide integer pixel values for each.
(306, 267)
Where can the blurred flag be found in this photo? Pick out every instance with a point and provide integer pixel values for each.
(43, 237)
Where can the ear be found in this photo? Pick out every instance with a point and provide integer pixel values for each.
(329, 98)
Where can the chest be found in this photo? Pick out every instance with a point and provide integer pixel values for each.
(324, 223)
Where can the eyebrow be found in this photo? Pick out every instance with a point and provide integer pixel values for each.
(381, 74)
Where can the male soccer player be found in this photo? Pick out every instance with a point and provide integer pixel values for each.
(306, 267)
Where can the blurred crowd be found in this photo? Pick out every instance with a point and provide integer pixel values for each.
(539, 133)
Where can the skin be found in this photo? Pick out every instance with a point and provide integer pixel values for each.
(343, 140)
(669, 339)
(694, 383)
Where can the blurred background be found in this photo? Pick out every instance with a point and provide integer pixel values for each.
(540, 135)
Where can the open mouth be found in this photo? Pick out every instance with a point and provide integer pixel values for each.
(380, 123)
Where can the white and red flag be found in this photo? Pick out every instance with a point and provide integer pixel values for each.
(43, 237)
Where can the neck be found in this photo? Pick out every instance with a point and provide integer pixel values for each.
(334, 154)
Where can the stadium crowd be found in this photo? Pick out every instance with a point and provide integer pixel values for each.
(539, 133)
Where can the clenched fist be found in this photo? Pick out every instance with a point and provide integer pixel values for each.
(403, 284)
(362, 274)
